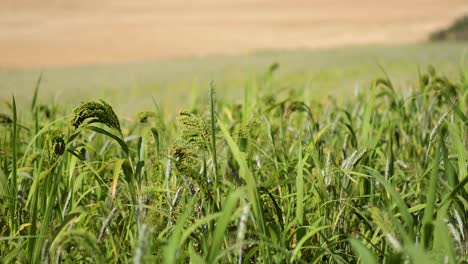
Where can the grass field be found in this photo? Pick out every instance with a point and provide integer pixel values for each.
(129, 87)
(261, 166)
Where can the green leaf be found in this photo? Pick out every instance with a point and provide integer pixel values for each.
(365, 255)
(300, 194)
(111, 135)
(173, 245)
(222, 224)
(246, 174)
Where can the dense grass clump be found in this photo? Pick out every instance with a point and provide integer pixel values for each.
(279, 178)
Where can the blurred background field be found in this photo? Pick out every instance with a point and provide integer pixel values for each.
(129, 51)
(175, 83)
(83, 32)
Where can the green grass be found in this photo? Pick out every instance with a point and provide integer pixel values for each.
(181, 83)
(280, 175)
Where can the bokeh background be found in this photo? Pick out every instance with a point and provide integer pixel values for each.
(128, 51)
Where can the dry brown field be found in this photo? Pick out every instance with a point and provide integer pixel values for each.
(76, 32)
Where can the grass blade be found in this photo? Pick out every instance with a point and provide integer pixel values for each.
(363, 252)
(222, 224)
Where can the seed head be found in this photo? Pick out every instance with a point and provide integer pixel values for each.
(4, 119)
(93, 112)
(194, 129)
(56, 141)
(186, 159)
(431, 70)
(146, 117)
(251, 129)
(425, 79)
(188, 163)
(297, 106)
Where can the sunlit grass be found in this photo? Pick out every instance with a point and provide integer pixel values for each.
(283, 177)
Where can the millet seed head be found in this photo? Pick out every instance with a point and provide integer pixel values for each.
(56, 141)
(194, 129)
(4, 119)
(94, 112)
